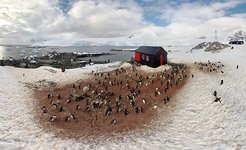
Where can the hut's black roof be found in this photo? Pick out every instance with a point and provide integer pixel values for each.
(151, 50)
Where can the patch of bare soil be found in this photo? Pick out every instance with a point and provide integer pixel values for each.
(110, 102)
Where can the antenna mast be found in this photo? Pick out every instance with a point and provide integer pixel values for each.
(216, 37)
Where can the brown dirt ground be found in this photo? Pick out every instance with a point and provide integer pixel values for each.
(95, 122)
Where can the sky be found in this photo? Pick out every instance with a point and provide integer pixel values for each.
(119, 22)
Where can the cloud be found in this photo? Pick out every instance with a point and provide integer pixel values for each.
(25, 19)
(104, 19)
(194, 19)
(86, 18)
(112, 21)
(197, 12)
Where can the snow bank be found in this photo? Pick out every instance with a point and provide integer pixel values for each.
(152, 70)
(190, 121)
(126, 65)
(47, 74)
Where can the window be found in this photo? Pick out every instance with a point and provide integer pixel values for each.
(143, 56)
(147, 57)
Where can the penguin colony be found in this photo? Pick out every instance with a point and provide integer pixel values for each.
(118, 100)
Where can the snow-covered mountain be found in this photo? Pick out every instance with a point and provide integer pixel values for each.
(37, 40)
(238, 36)
(86, 43)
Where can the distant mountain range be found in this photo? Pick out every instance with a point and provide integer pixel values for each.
(131, 40)
(37, 40)
(86, 43)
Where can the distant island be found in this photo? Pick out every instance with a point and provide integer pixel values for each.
(131, 50)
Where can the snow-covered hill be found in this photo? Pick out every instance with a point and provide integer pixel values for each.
(210, 47)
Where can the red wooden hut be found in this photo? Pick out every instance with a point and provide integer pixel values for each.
(151, 56)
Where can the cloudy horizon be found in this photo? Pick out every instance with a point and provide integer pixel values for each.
(118, 22)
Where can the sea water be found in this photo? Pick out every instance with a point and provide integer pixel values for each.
(22, 51)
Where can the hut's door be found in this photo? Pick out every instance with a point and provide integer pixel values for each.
(137, 56)
(161, 60)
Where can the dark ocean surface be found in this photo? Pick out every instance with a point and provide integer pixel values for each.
(17, 52)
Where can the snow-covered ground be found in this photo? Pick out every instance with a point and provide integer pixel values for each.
(190, 121)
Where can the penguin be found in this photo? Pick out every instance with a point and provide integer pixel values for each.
(61, 109)
(126, 112)
(137, 110)
(217, 99)
(141, 109)
(55, 106)
(68, 101)
(113, 121)
(43, 109)
(78, 107)
(53, 118)
(215, 93)
(86, 109)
